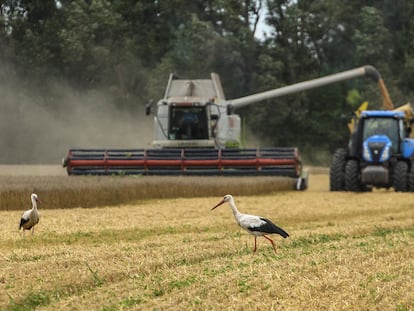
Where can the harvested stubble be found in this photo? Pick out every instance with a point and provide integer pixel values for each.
(346, 252)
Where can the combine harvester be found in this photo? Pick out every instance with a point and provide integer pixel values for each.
(196, 132)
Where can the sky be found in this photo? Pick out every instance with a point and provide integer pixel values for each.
(262, 28)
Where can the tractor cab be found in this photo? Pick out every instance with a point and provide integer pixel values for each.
(378, 136)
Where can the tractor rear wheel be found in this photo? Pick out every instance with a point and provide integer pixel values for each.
(352, 176)
(400, 176)
(337, 170)
(411, 178)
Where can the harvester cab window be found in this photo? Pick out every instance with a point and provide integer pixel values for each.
(188, 123)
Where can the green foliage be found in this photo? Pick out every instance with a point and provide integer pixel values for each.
(354, 98)
(97, 280)
(30, 302)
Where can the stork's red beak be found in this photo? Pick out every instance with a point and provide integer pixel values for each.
(221, 202)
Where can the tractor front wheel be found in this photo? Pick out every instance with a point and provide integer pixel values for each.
(352, 176)
(411, 178)
(337, 171)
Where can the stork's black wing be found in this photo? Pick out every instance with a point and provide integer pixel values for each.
(269, 227)
(22, 222)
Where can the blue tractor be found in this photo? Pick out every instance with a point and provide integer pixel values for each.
(380, 153)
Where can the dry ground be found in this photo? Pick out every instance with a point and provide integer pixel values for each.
(347, 251)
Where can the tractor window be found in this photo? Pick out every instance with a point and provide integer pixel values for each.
(382, 126)
(188, 123)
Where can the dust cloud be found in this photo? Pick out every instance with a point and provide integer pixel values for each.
(37, 129)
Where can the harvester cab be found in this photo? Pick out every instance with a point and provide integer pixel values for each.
(193, 113)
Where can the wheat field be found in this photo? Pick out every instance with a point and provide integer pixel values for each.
(346, 251)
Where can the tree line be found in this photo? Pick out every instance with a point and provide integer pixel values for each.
(125, 49)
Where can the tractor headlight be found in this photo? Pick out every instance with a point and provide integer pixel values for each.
(366, 153)
(385, 153)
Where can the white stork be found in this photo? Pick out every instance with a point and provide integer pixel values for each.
(30, 218)
(256, 225)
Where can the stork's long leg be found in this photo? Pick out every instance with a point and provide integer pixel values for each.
(271, 241)
(254, 250)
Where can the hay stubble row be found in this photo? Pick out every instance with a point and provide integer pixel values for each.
(346, 251)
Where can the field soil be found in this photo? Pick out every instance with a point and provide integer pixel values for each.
(346, 251)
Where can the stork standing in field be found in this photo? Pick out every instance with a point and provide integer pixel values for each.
(30, 218)
(256, 225)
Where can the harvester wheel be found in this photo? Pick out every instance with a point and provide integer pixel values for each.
(411, 178)
(400, 176)
(352, 176)
(337, 170)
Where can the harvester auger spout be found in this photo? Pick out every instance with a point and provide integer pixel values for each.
(196, 132)
(368, 71)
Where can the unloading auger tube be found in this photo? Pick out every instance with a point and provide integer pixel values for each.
(368, 71)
